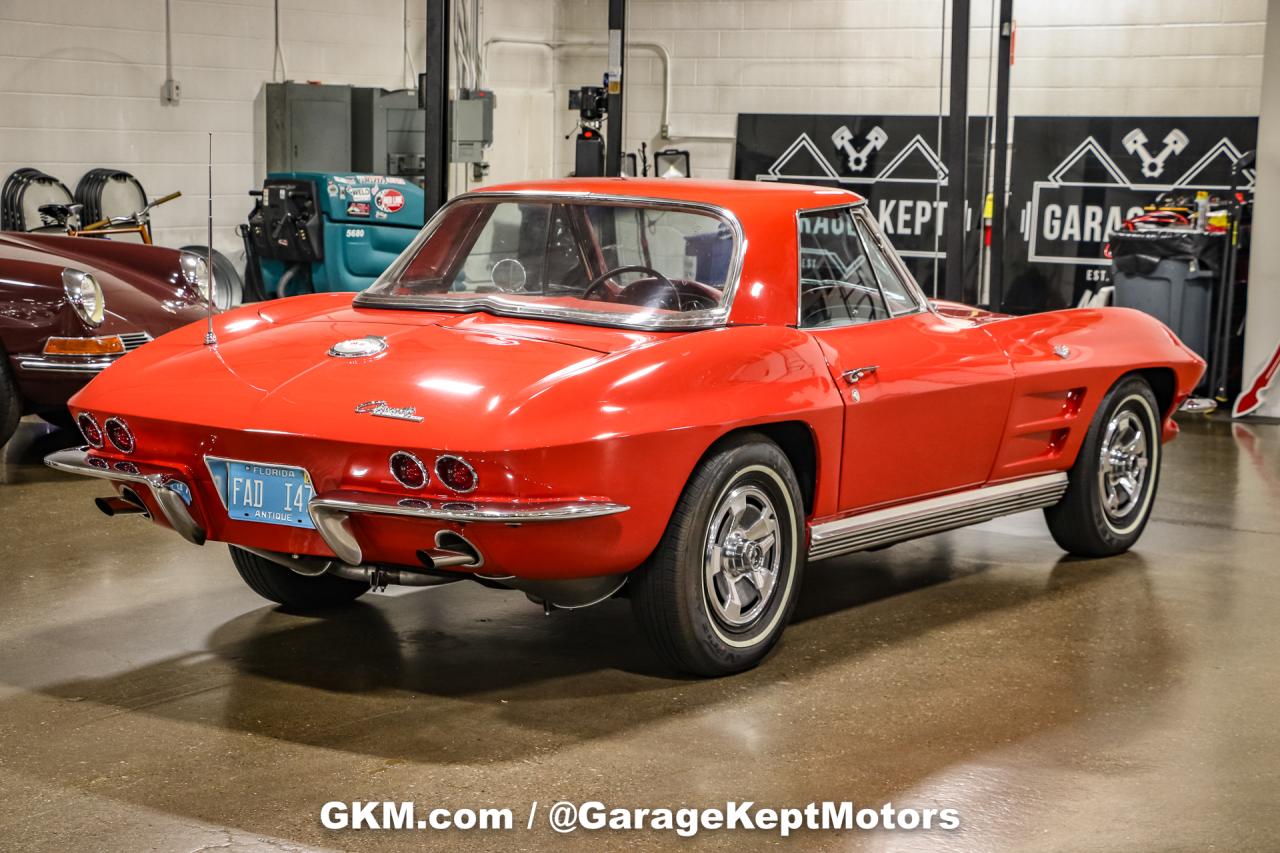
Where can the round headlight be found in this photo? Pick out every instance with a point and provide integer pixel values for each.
(85, 295)
(195, 272)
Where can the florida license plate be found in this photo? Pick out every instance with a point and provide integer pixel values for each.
(268, 494)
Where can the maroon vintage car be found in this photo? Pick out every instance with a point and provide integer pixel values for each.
(70, 306)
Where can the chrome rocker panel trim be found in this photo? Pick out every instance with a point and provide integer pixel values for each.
(159, 483)
(934, 515)
(331, 512)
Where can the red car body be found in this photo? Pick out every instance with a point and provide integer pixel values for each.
(554, 415)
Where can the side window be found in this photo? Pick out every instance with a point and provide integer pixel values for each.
(837, 287)
(896, 293)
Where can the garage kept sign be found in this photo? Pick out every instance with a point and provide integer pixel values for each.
(1074, 179)
(893, 161)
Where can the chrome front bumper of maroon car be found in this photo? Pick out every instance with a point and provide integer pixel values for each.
(90, 365)
(63, 364)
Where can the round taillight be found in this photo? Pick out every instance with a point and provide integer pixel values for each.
(455, 473)
(408, 470)
(89, 429)
(118, 433)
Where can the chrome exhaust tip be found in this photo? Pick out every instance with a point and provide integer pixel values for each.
(127, 503)
(452, 550)
(439, 558)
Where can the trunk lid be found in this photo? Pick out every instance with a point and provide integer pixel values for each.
(456, 372)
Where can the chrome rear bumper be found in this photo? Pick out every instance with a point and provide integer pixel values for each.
(331, 513)
(168, 490)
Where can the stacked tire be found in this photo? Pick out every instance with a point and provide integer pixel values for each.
(23, 193)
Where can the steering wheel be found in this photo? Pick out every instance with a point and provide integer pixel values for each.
(608, 274)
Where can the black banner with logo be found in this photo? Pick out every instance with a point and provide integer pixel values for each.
(1072, 180)
(893, 161)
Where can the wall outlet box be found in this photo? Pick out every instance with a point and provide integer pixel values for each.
(171, 92)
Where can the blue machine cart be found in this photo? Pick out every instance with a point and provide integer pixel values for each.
(325, 231)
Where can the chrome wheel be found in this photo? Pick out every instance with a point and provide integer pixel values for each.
(742, 555)
(1124, 459)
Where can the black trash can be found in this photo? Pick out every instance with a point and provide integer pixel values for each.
(1171, 275)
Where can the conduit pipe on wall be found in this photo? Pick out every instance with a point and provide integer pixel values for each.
(664, 56)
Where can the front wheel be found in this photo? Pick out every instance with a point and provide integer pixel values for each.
(719, 590)
(1113, 483)
(296, 592)
(10, 402)
(60, 418)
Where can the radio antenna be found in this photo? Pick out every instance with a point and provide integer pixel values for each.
(210, 339)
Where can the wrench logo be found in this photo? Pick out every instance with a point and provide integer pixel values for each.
(857, 157)
(1135, 142)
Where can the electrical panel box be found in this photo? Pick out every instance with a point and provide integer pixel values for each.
(308, 127)
(472, 122)
(319, 128)
(388, 131)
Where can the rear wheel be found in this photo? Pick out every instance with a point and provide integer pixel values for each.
(277, 583)
(719, 590)
(1113, 483)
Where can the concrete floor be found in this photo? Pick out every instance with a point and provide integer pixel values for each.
(148, 700)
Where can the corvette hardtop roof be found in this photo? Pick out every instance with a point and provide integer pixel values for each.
(731, 195)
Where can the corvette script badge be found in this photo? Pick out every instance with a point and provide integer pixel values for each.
(380, 409)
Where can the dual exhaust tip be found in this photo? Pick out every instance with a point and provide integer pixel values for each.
(451, 551)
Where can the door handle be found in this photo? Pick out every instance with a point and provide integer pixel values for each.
(859, 373)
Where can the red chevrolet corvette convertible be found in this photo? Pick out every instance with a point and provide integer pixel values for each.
(677, 391)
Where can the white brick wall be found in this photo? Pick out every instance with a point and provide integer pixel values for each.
(80, 88)
(80, 81)
(1188, 57)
